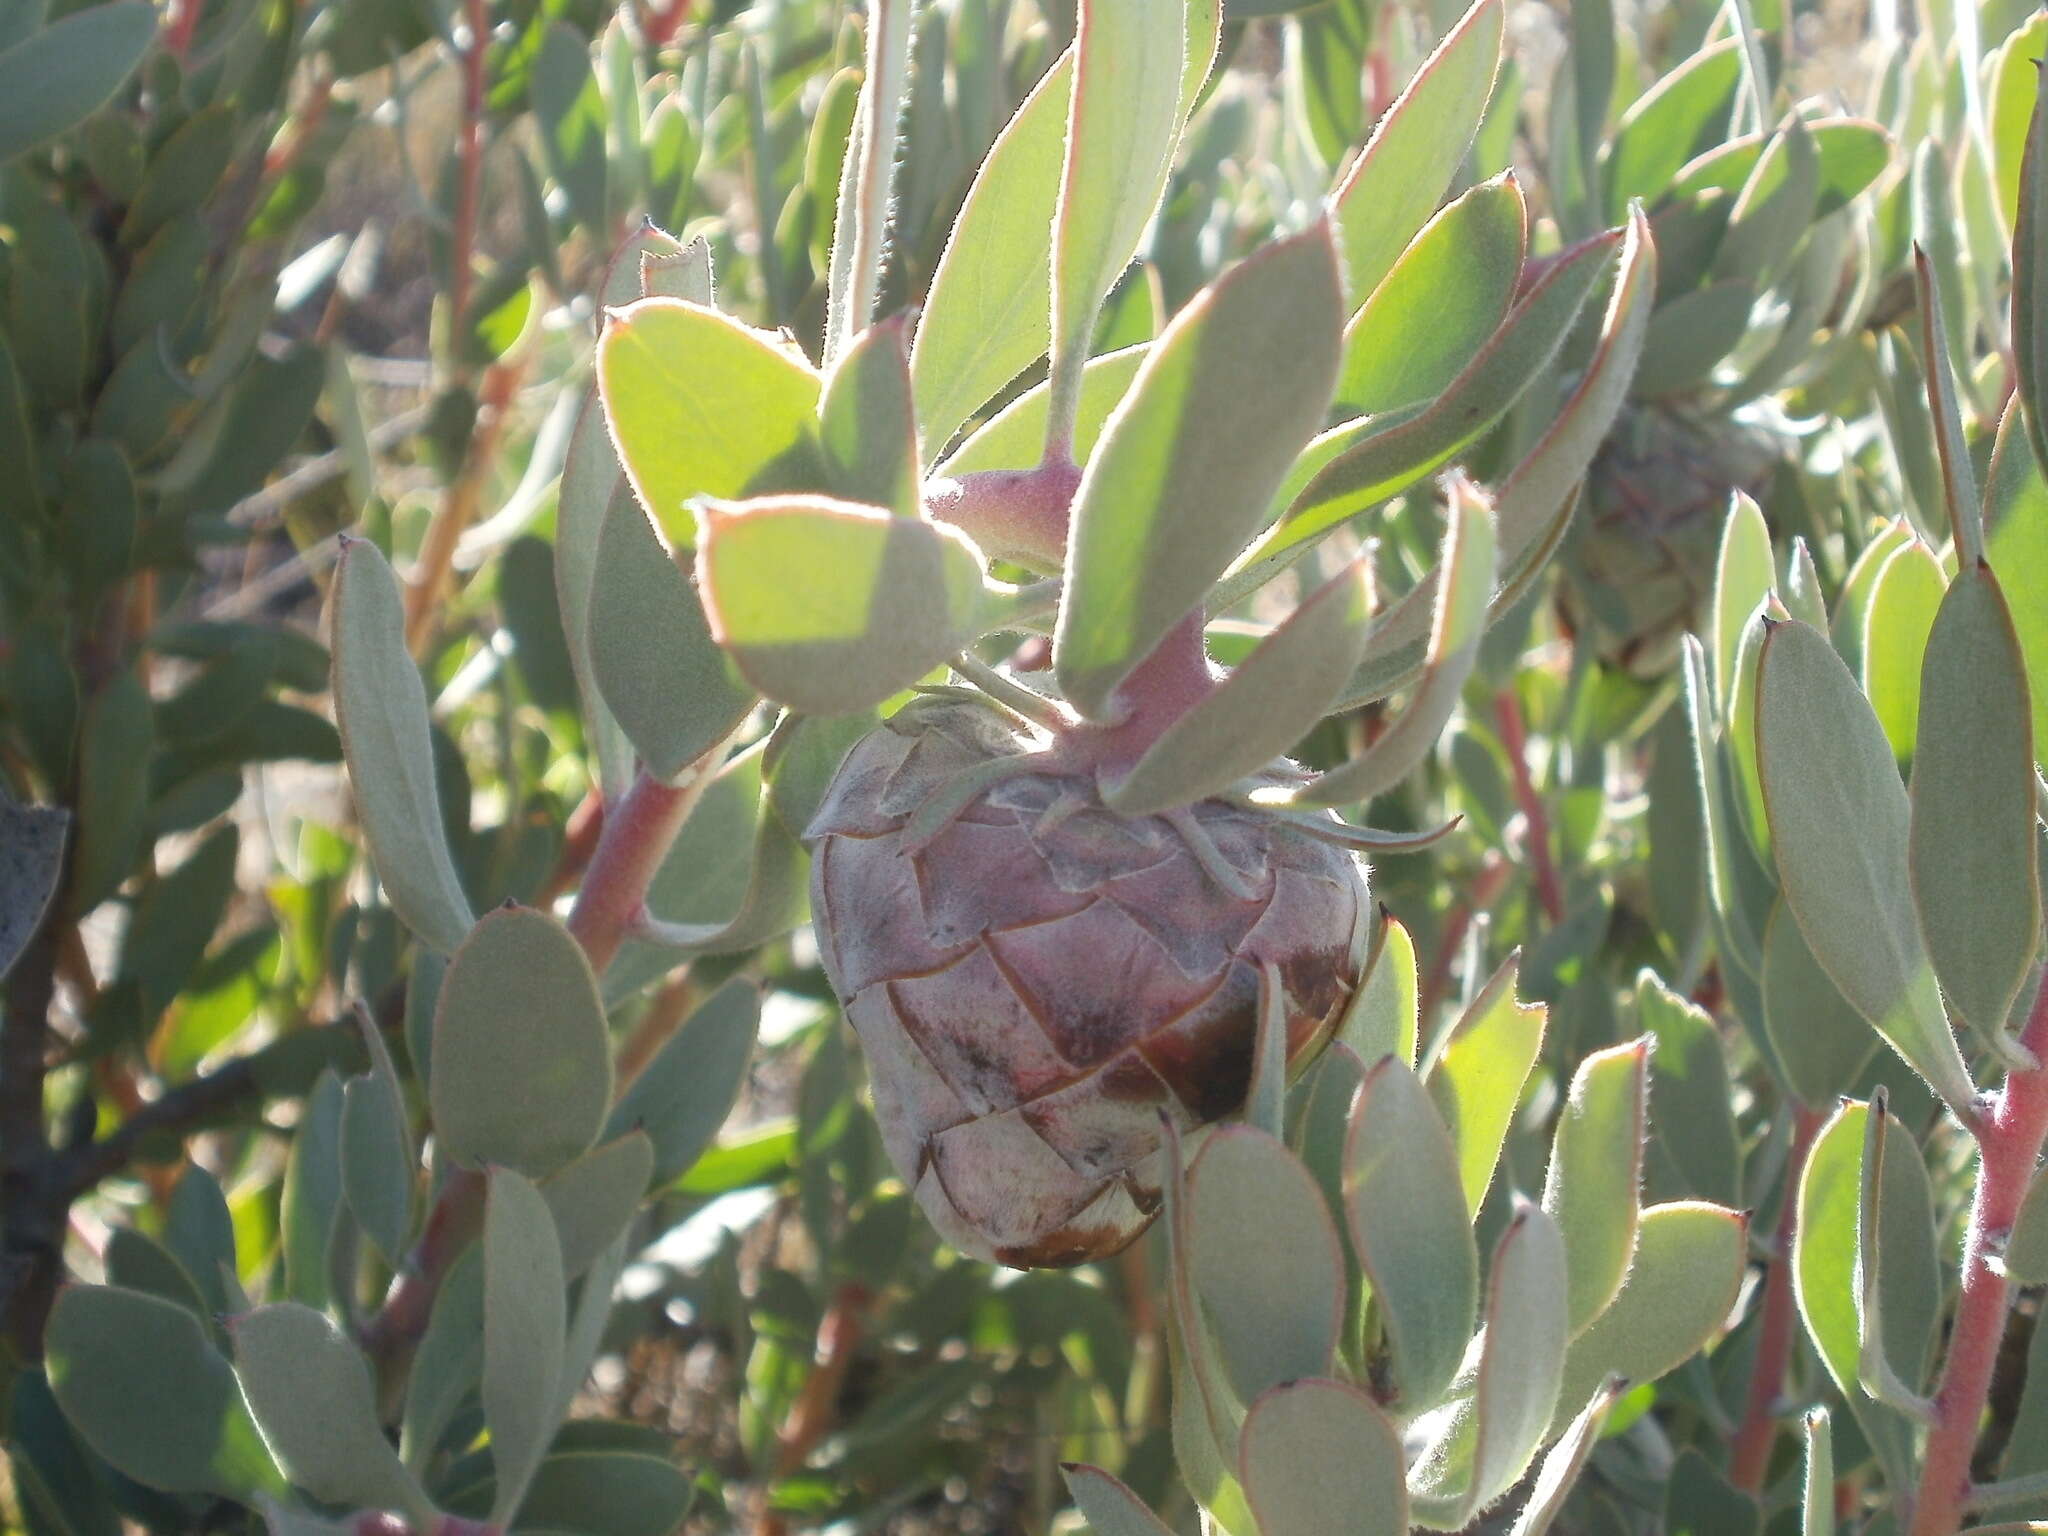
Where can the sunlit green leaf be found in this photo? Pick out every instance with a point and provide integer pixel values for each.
(1406, 166)
(1449, 292)
(1476, 1073)
(1184, 473)
(988, 315)
(830, 607)
(1123, 123)
(701, 405)
(1687, 1269)
(1596, 1163)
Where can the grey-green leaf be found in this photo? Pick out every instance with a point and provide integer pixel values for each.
(660, 674)
(1839, 825)
(1269, 702)
(1318, 1456)
(1243, 1181)
(1691, 1114)
(141, 1384)
(58, 76)
(1410, 1226)
(595, 1197)
(525, 1324)
(682, 1097)
(1109, 1507)
(518, 1023)
(310, 1390)
(1974, 862)
(2026, 1250)
(31, 860)
(381, 706)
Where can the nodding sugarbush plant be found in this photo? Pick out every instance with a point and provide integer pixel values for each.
(1054, 706)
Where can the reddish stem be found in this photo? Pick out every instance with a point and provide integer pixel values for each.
(394, 1331)
(2009, 1138)
(816, 1408)
(184, 21)
(1483, 891)
(636, 838)
(1758, 1434)
(1507, 713)
(468, 189)
(1013, 514)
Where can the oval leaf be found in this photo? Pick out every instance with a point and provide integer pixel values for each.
(518, 1023)
(661, 675)
(1318, 1456)
(144, 1388)
(701, 405)
(829, 607)
(310, 1390)
(1243, 1181)
(60, 74)
(1687, 1270)
(1596, 1163)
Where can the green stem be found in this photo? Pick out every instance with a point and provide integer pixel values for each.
(2009, 1133)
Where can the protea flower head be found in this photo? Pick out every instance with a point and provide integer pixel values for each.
(1759, 289)
(1067, 916)
(1639, 564)
(1041, 980)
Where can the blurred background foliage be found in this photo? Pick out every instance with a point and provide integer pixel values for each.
(307, 266)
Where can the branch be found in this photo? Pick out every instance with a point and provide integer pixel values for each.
(1758, 1434)
(637, 835)
(1549, 888)
(32, 1237)
(177, 1113)
(2009, 1133)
